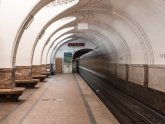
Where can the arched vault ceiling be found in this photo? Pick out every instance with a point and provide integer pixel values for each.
(87, 15)
(81, 4)
(135, 23)
(31, 14)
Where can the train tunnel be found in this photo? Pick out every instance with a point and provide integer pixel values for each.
(113, 48)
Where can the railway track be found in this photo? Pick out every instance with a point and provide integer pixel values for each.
(125, 108)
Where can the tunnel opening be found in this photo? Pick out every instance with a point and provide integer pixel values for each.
(69, 62)
(67, 53)
(81, 52)
(76, 56)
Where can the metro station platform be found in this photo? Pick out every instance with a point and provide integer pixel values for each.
(63, 99)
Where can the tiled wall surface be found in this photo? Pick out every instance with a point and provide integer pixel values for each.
(153, 75)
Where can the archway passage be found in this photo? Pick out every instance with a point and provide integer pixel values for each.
(76, 56)
(67, 51)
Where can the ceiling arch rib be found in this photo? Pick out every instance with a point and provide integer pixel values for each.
(112, 40)
(69, 39)
(28, 38)
(113, 35)
(11, 19)
(36, 12)
(89, 45)
(102, 38)
(142, 48)
(146, 47)
(88, 38)
(128, 50)
(48, 42)
(38, 6)
(37, 56)
(58, 40)
(101, 9)
(63, 38)
(62, 27)
(52, 59)
(126, 45)
(115, 7)
(70, 24)
(36, 60)
(42, 31)
(70, 12)
(51, 40)
(140, 34)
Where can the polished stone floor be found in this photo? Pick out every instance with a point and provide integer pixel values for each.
(63, 99)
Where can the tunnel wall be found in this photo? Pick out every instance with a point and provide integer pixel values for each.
(147, 96)
(140, 81)
(151, 76)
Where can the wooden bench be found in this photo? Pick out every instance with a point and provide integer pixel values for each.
(11, 94)
(46, 73)
(26, 83)
(40, 77)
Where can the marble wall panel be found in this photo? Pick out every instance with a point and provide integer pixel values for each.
(157, 77)
(136, 74)
(121, 71)
(6, 78)
(43, 68)
(36, 69)
(23, 73)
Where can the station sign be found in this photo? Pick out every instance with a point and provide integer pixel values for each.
(76, 44)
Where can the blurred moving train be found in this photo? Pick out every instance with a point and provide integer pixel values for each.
(110, 82)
